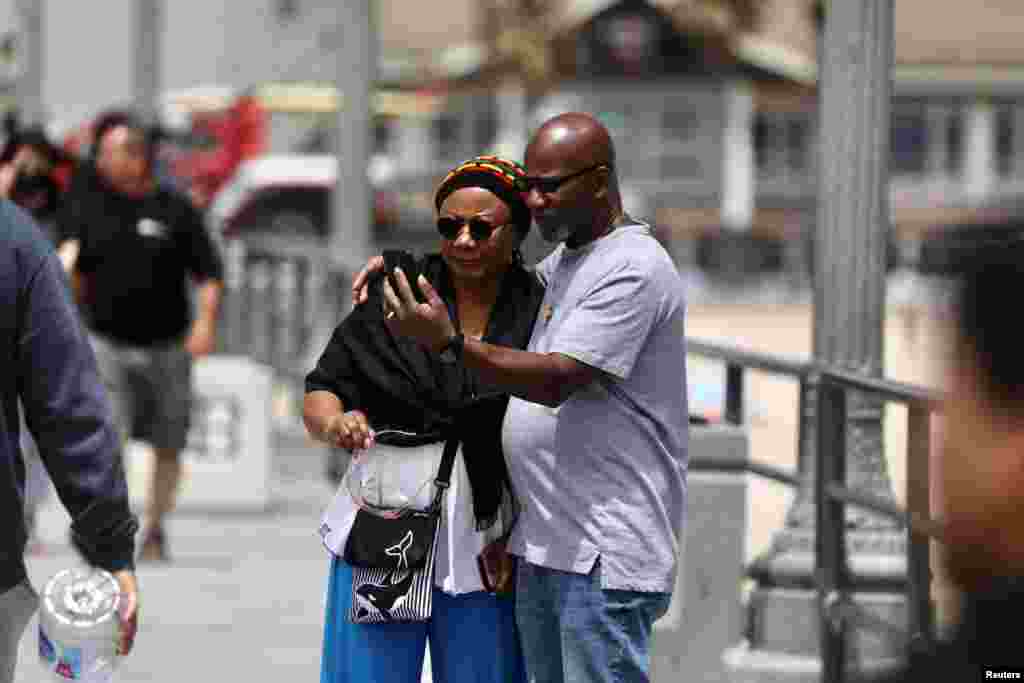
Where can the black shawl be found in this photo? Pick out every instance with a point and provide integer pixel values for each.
(400, 385)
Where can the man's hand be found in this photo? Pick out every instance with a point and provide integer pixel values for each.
(428, 323)
(350, 431)
(129, 610)
(202, 339)
(360, 286)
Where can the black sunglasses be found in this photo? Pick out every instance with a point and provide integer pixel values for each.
(551, 185)
(479, 229)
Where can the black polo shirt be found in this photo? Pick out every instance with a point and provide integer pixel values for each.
(136, 255)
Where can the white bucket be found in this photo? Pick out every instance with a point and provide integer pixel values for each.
(79, 625)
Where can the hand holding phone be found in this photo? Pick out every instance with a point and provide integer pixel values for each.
(402, 259)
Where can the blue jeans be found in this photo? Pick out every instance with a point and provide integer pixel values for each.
(573, 631)
(472, 638)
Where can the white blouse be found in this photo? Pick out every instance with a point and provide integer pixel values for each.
(406, 469)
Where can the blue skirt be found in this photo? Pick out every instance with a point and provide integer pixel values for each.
(472, 637)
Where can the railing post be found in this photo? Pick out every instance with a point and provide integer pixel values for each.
(918, 548)
(801, 512)
(258, 303)
(233, 309)
(734, 394)
(830, 533)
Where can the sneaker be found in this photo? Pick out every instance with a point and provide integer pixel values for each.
(154, 547)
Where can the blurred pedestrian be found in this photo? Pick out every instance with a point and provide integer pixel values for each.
(131, 244)
(29, 163)
(46, 365)
(982, 479)
(596, 432)
(367, 381)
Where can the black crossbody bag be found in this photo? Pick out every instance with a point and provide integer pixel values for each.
(392, 558)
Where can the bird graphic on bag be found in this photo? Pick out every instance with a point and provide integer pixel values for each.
(389, 594)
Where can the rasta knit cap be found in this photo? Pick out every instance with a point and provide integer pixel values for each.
(505, 178)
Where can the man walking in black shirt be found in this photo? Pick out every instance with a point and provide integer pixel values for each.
(130, 244)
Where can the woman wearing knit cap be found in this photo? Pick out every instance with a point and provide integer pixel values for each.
(367, 381)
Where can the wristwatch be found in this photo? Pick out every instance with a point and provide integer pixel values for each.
(452, 349)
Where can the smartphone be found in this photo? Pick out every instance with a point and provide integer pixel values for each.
(404, 260)
(497, 568)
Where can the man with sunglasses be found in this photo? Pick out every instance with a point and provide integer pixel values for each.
(596, 432)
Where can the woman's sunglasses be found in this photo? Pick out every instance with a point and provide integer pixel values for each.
(479, 229)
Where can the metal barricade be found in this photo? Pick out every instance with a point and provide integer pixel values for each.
(837, 611)
(281, 301)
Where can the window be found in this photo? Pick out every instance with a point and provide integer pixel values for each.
(783, 145)
(1009, 140)
(447, 129)
(798, 145)
(681, 166)
(485, 125)
(383, 135)
(954, 142)
(909, 141)
(762, 141)
(927, 138)
(680, 124)
(1004, 141)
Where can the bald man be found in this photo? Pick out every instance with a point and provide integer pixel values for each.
(596, 434)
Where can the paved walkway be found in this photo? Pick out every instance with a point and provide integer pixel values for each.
(244, 598)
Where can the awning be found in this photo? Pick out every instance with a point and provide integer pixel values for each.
(777, 58)
(298, 97)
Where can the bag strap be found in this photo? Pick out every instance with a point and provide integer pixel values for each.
(444, 472)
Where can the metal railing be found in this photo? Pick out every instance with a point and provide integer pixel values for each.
(831, 496)
(279, 293)
(737, 362)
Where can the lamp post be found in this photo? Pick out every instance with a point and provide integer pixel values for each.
(29, 87)
(147, 57)
(852, 228)
(352, 203)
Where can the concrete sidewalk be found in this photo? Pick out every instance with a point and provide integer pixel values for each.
(243, 599)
